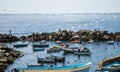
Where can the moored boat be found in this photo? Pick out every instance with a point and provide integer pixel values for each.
(46, 60)
(20, 45)
(51, 50)
(40, 45)
(84, 51)
(38, 49)
(70, 68)
(68, 50)
(34, 65)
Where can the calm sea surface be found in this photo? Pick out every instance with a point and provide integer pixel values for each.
(25, 24)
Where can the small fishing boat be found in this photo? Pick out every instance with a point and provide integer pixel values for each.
(51, 50)
(46, 60)
(69, 68)
(82, 53)
(57, 46)
(34, 65)
(20, 45)
(85, 51)
(38, 49)
(40, 45)
(68, 50)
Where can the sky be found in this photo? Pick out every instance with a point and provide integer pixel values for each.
(59, 6)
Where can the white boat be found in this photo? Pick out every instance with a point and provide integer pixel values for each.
(70, 68)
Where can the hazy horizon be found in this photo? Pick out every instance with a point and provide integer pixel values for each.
(58, 6)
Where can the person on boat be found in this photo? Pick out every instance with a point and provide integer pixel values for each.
(78, 49)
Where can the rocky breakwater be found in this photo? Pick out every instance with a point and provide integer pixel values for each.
(8, 38)
(64, 35)
(7, 56)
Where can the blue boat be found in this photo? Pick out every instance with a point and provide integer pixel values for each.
(70, 68)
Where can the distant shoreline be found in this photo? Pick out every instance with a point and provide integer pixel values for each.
(58, 13)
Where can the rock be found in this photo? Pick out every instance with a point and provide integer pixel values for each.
(3, 60)
(7, 56)
(10, 59)
(23, 38)
(8, 38)
(106, 37)
(117, 38)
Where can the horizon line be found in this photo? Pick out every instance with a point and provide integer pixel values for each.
(67, 13)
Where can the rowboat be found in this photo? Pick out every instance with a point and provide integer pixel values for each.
(68, 50)
(34, 65)
(82, 53)
(40, 45)
(20, 45)
(51, 50)
(46, 60)
(69, 68)
(38, 49)
(85, 51)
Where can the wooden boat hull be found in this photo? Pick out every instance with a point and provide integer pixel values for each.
(71, 68)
